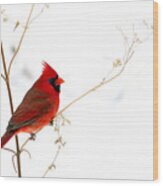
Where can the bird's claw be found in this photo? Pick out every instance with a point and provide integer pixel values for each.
(51, 122)
(33, 136)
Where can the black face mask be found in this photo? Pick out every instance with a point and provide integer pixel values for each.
(52, 82)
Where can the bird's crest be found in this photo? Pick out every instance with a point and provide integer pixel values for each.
(48, 71)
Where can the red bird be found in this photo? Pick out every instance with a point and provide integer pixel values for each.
(39, 106)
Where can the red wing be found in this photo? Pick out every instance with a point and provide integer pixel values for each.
(34, 105)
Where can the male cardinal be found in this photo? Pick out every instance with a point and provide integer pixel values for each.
(39, 106)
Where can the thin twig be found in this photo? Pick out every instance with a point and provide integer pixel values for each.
(52, 165)
(38, 15)
(10, 150)
(11, 106)
(13, 162)
(21, 40)
(24, 144)
(7, 79)
(25, 150)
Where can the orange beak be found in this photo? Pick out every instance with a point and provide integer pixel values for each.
(59, 81)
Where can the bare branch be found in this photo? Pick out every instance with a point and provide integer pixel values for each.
(7, 78)
(21, 40)
(11, 106)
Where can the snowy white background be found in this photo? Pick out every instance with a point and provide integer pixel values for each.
(111, 131)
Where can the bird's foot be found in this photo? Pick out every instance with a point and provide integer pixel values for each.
(33, 136)
(51, 122)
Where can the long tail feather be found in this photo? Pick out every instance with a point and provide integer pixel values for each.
(5, 138)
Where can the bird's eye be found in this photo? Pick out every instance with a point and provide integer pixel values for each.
(51, 80)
